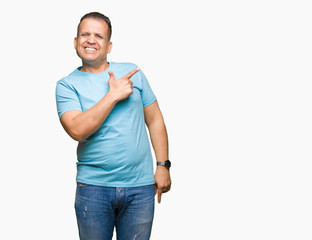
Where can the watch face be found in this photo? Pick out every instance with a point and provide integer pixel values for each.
(168, 164)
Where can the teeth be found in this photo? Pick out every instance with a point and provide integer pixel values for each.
(90, 49)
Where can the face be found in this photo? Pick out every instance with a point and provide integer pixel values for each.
(92, 44)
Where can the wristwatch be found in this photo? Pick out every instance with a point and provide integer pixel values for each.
(166, 164)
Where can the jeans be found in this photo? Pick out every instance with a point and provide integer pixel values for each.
(100, 209)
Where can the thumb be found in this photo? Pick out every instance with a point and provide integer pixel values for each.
(111, 76)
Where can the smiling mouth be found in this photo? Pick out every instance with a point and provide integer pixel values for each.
(90, 49)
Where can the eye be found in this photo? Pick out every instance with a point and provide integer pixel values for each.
(84, 34)
(99, 36)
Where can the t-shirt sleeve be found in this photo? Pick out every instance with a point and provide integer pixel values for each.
(147, 95)
(66, 99)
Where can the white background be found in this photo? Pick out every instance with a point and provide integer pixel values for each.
(233, 80)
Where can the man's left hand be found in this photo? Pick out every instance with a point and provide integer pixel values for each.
(162, 181)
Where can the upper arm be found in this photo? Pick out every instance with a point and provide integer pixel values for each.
(152, 113)
(147, 94)
(68, 107)
(66, 98)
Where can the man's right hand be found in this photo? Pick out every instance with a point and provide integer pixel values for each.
(121, 88)
(80, 125)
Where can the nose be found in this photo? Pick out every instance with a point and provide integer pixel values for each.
(91, 39)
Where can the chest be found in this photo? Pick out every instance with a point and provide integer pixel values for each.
(91, 92)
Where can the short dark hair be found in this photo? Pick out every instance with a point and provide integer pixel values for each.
(97, 15)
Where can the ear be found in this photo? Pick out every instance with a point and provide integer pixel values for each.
(75, 43)
(109, 47)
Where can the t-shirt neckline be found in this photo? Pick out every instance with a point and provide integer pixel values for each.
(90, 73)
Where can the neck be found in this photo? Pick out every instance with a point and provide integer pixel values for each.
(94, 69)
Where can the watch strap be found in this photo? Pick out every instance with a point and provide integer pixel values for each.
(166, 163)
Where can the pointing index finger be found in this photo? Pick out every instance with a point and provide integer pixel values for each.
(130, 74)
(159, 195)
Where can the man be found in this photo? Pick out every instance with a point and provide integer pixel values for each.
(105, 106)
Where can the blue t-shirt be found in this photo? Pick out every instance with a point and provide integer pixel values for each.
(118, 154)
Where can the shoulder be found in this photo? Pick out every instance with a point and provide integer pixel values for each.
(68, 80)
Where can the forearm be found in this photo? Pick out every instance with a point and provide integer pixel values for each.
(80, 125)
(159, 139)
(86, 123)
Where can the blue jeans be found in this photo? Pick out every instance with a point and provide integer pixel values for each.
(99, 209)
